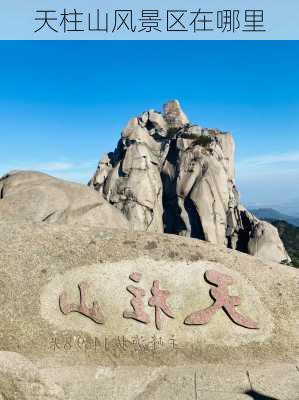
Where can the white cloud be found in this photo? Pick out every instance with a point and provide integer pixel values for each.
(282, 163)
(267, 159)
(80, 171)
(269, 178)
(53, 166)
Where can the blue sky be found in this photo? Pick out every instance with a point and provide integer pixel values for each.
(63, 104)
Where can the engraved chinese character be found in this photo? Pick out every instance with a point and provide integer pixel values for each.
(106, 343)
(139, 313)
(95, 313)
(121, 342)
(172, 342)
(139, 344)
(222, 300)
(83, 343)
(68, 344)
(158, 300)
(97, 344)
(156, 343)
(54, 345)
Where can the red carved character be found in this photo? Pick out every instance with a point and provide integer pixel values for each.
(222, 300)
(95, 313)
(158, 300)
(139, 313)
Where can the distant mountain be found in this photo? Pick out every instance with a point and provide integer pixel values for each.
(290, 207)
(290, 237)
(271, 214)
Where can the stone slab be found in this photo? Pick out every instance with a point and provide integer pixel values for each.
(277, 381)
(267, 382)
(232, 378)
(39, 262)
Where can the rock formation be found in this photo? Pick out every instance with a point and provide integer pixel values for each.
(47, 354)
(169, 175)
(36, 197)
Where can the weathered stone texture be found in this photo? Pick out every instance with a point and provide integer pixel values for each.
(28, 196)
(167, 175)
(50, 355)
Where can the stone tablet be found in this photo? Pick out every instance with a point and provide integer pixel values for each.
(93, 314)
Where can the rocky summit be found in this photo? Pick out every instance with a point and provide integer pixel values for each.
(169, 175)
(107, 293)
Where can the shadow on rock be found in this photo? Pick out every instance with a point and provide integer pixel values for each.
(258, 396)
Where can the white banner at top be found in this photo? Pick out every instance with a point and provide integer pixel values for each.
(155, 20)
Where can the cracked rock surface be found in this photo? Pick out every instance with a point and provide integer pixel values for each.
(168, 175)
